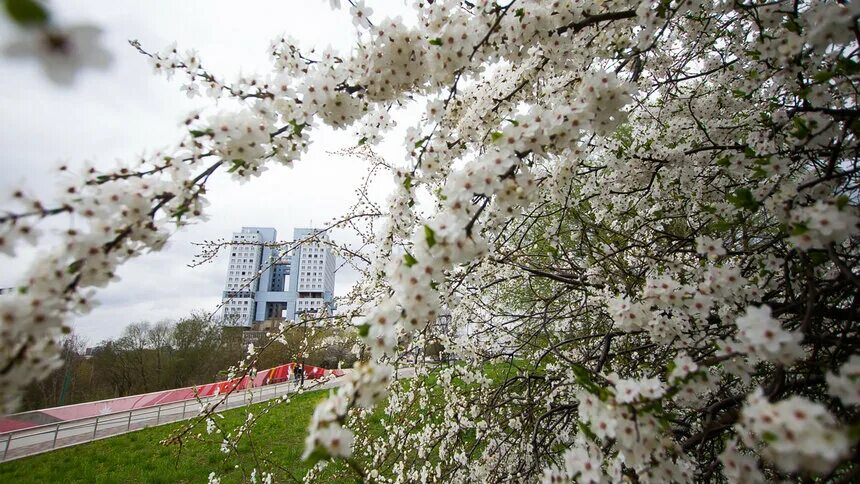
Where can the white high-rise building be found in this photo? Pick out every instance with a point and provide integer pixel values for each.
(246, 250)
(314, 277)
(265, 283)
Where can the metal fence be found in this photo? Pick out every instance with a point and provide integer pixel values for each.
(43, 438)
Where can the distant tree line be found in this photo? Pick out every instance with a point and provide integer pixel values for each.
(194, 350)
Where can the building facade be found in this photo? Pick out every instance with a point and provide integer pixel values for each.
(264, 281)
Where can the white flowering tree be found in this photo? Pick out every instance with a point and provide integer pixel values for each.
(641, 215)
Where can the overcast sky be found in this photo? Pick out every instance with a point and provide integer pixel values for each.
(126, 111)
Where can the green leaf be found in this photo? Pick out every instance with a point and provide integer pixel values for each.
(409, 260)
(854, 431)
(801, 130)
(440, 195)
(495, 135)
(663, 8)
(743, 198)
(362, 141)
(791, 25)
(179, 212)
(722, 225)
(198, 133)
(824, 76)
(799, 229)
(817, 257)
(583, 377)
(655, 406)
(317, 455)
(848, 66)
(429, 236)
(753, 54)
(520, 13)
(75, 266)
(586, 429)
(407, 182)
(855, 127)
(769, 437)
(759, 172)
(236, 165)
(436, 41)
(297, 127)
(670, 367)
(842, 201)
(363, 330)
(26, 12)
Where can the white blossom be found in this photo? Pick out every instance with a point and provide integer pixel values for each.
(846, 384)
(61, 51)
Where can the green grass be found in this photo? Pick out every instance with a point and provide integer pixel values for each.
(138, 456)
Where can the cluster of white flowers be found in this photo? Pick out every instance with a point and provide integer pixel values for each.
(713, 248)
(582, 463)
(763, 336)
(637, 436)
(116, 221)
(631, 390)
(628, 315)
(669, 310)
(682, 366)
(665, 291)
(815, 226)
(451, 237)
(242, 138)
(739, 467)
(365, 385)
(725, 282)
(795, 434)
(326, 432)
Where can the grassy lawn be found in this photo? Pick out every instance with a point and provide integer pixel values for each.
(138, 457)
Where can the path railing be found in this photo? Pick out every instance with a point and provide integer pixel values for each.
(43, 438)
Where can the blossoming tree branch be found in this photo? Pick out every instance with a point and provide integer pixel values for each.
(643, 223)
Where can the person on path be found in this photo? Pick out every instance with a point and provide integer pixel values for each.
(300, 375)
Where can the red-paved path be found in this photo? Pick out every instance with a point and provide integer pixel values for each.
(45, 438)
(80, 411)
